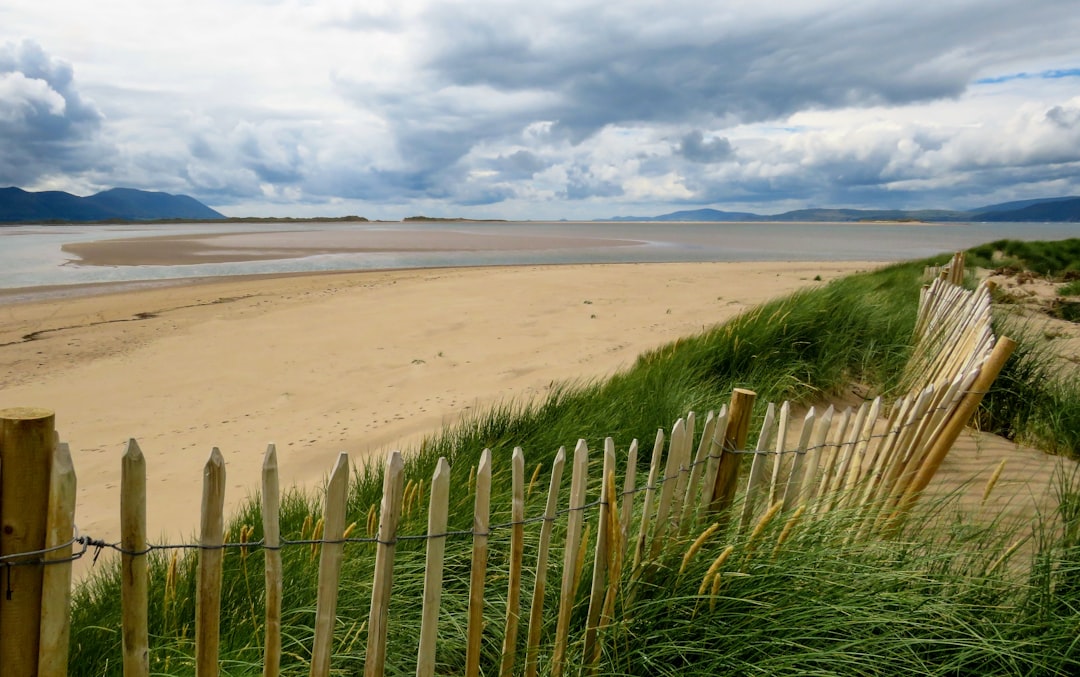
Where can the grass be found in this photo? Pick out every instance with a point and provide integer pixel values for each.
(1052, 259)
(927, 602)
(1070, 288)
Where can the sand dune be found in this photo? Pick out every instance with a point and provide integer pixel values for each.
(357, 362)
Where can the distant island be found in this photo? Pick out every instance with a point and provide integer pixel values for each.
(456, 219)
(1044, 209)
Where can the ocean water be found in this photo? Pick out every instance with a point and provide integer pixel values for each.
(32, 256)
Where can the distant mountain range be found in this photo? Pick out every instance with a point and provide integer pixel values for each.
(128, 204)
(1046, 209)
(118, 204)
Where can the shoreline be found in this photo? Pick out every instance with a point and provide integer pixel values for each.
(348, 361)
(360, 362)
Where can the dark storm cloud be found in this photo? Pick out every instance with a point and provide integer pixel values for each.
(618, 70)
(46, 126)
(696, 148)
(520, 164)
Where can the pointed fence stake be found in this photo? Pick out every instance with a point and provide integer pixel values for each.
(690, 502)
(672, 472)
(134, 596)
(481, 524)
(271, 511)
(337, 494)
(211, 558)
(628, 493)
(650, 493)
(757, 468)
(56, 583)
(536, 614)
(433, 568)
(574, 521)
(795, 476)
(598, 592)
(517, 552)
(389, 514)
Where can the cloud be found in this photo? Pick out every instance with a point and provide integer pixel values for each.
(46, 126)
(489, 71)
(583, 184)
(696, 148)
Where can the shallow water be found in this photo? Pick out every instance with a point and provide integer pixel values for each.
(31, 255)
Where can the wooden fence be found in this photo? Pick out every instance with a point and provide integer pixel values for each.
(952, 272)
(876, 460)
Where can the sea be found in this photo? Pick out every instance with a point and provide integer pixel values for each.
(31, 255)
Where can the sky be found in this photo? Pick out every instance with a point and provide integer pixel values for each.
(526, 110)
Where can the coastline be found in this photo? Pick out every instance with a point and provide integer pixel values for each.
(318, 364)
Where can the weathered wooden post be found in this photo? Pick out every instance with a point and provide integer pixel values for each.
(56, 578)
(727, 473)
(27, 445)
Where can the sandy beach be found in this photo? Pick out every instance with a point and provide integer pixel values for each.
(356, 362)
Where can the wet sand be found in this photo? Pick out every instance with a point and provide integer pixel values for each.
(172, 250)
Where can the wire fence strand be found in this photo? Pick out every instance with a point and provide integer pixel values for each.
(39, 557)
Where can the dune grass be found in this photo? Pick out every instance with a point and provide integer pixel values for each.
(1052, 259)
(930, 602)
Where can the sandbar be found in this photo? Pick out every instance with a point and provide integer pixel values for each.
(172, 250)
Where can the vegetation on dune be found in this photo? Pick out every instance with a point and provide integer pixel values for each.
(939, 599)
(1056, 259)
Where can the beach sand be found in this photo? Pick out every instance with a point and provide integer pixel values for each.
(355, 362)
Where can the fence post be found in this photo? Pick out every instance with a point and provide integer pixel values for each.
(134, 599)
(481, 525)
(536, 612)
(433, 568)
(757, 467)
(389, 515)
(272, 575)
(598, 591)
(27, 444)
(211, 559)
(335, 504)
(517, 551)
(727, 472)
(574, 520)
(56, 583)
(672, 471)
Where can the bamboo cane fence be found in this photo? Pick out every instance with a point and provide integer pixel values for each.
(875, 460)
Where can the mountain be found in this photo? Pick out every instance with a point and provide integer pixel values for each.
(694, 215)
(1044, 209)
(123, 204)
(1063, 209)
(1017, 204)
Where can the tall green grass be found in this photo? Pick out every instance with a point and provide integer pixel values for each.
(922, 604)
(1052, 259)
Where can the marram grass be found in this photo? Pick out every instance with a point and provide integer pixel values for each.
(939, 599)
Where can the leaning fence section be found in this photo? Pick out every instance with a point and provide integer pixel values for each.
(701, 480)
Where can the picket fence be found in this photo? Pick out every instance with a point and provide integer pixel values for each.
(876, 460)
